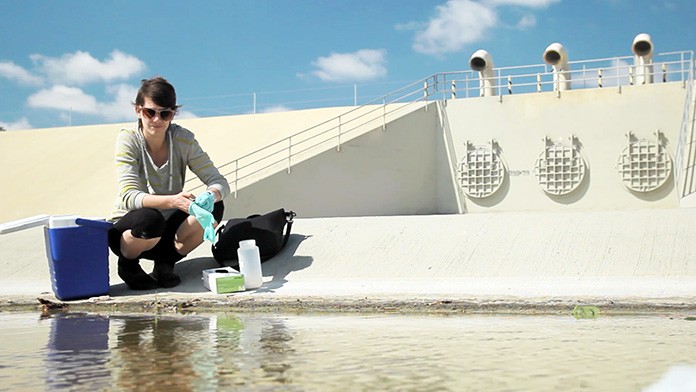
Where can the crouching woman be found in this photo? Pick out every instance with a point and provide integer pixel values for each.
(151, 218)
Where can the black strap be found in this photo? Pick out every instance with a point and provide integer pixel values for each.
(289, 216)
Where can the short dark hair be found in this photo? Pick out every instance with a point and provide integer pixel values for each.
(159, 90)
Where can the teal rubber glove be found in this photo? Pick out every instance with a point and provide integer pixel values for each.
(206, 220)
(206, 200)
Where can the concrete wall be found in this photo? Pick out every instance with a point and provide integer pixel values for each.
(600, 119)
(412, 168)
(381, 172)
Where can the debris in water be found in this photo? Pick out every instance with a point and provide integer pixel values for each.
(585, 312)
(48, 305)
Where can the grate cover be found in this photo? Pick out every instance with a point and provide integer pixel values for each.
(644, 166)
(481, 172)
(559, 169)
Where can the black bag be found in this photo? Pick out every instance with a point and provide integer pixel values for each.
(266, 229)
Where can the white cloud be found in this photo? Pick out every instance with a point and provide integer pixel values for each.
(80, 67)
(276, 109)
(61, 81)
(14, 72)
(365, 64)
(120, 108)
(522, 3)
(75, 100)
(182, 114)
(22, 123)
(461, 22)
(457, 23)
(410, 26)
(526, 22)
(615, 74)
(62, 97)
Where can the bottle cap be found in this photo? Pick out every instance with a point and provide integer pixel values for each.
(247, 244)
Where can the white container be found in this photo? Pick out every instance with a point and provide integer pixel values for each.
(223, 280)
(250, 264)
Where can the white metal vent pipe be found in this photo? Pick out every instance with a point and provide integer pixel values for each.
(643, 49)
(482, 62)
(556, 56)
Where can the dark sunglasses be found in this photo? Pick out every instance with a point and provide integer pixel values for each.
(164, 114)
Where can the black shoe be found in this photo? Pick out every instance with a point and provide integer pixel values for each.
(164, 273)
(134, 276)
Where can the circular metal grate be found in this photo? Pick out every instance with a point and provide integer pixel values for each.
(559, 169)
(481, 172)
(644, 166)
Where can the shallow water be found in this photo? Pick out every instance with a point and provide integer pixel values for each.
(345, 352)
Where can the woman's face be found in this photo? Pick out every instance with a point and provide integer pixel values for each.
(155, 119)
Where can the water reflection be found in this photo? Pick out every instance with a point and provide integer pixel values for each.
(159, 353)
(175, 353)
(78, 341)
(149, 352)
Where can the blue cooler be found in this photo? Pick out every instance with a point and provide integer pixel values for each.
(78, 256)
(77, 250)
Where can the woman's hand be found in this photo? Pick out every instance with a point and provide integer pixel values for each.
(182, 201)
(206, 200)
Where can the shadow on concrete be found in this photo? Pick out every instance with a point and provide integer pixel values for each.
(190, 272)
(284, 263)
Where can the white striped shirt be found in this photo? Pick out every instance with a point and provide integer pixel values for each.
(137, 175)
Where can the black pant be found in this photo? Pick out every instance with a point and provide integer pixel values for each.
(149, 223)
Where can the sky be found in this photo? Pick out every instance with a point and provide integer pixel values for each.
(80, 62)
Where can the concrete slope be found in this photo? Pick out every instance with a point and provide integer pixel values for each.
(638, 256)
(71, 171)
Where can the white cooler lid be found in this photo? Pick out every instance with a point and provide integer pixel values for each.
(25, 223)
(58, 221)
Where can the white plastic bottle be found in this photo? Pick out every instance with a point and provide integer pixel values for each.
(250, 264)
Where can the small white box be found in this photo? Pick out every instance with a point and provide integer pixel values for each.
(223, 280)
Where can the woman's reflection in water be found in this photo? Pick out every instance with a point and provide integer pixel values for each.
(184, 353)
(161, 353)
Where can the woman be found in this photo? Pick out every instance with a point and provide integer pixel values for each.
(152, 218)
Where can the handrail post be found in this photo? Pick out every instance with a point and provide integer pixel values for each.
(538, 83)
(584, 76)
(444, 87)
(599, 78)
(425, 94)
(454, 89)
(236, 177)
(689, 73)
(289, 153)
(466, 83)
(338, 147)
(384, 114)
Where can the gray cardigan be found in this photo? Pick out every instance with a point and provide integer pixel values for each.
(137, 175)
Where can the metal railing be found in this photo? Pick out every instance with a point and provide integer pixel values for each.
(688, 122)
(602, 73)
(598, 73)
